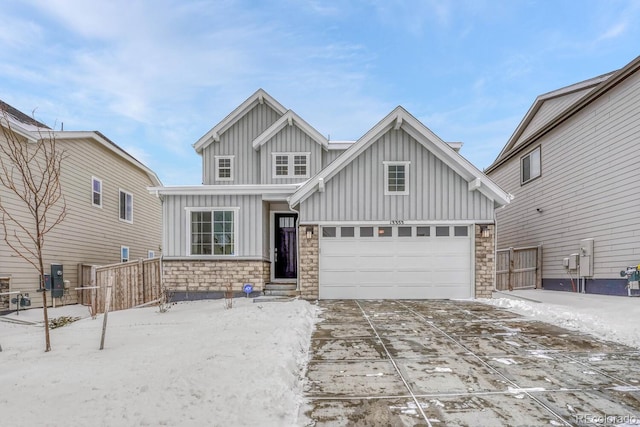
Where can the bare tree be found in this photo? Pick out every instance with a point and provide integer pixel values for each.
(31, 171)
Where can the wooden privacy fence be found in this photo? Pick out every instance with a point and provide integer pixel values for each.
(519, 268)
(134, 283)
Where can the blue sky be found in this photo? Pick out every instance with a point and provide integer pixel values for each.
(156, 75)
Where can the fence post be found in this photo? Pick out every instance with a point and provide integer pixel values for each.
(511, 267)
(107, 303)
(539, 268)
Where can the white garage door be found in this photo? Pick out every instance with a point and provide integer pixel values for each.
(395, 262)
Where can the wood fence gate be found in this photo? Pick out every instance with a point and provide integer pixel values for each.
(133, 283)
(519, 268)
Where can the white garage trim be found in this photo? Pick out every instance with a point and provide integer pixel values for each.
(379, 265)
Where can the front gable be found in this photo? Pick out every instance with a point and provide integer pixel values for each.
(441, 183)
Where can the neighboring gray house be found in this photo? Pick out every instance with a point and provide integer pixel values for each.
(572, 166)
(111, 217)
(397, 214)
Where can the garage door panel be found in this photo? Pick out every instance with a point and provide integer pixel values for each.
(395, 267)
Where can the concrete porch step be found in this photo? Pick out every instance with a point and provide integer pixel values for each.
(281, 289)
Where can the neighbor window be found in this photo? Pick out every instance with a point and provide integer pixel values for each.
(224, 168)
(530, 166)
(395, 178)
(213, 232)
(124, 253)
(96, 192)
(126, 206)
(290, 165)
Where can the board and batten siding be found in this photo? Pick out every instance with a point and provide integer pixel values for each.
(436, 192)
(88, 234)
(329, 156)
(238, 141)
(588, 187)
(250, 221)
(291, 139)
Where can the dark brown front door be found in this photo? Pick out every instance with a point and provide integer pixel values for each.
(286, 246)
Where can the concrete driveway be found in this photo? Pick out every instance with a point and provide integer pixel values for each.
(462, 363)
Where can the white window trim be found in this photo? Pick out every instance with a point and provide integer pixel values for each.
(151, 254)
(120, 190)
(217, 167)
(93, 178)
(386, 178)
(539, 171)
(122, 248)
(290, 164)
(236, 247)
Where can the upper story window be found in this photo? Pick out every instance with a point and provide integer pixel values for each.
(96, 192)
(395, 178)
(224, 168)
(530, 166)
(213, 232)
(126, 206)
(290, 165)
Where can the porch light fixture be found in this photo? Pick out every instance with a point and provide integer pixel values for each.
(484, 231)
(309, 232)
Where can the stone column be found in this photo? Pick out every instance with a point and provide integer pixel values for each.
(485, 260)
(308, 270)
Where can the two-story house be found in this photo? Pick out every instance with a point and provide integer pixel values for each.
(396, 214)
(110, 215)
(572, 166)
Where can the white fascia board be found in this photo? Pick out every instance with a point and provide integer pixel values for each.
(259, 96)
(65, 135)
(282, 189)
(15, 127)
(289, 118)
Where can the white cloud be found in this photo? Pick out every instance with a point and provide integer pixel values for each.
(614, 31)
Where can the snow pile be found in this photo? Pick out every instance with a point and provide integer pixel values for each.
(197, 364)
(612, 318)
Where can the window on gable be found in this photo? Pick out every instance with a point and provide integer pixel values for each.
(213, 232)
(224, 168)
(530, 166)
(126, 206)
(96, 192)
(396, 178)
(290, 165)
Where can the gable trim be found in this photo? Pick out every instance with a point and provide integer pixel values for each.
(290, 118)
(213, 135)
(399, 118)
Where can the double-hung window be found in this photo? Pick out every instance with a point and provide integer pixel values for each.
(126, 206)
(396, 180)
(96, 192)
(290, 165)
(530, 166)
(213, 232)
(224, 168)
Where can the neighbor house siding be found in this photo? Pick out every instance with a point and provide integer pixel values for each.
(249, 221)
(89, 234)
(237, 141)
(290, 139)
(436, 192)
(588, 187)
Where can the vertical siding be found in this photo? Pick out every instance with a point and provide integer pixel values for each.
(89, 234)
(250, 221)
(238, 141)
(329, 156)
(588, 188)
(436, 192)
(291, 139)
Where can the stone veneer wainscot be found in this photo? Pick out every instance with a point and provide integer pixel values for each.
(200, 275)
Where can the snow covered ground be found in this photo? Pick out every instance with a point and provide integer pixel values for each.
(614, 318)
(197, 364)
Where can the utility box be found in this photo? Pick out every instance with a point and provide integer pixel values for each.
(573, 262)
(57, 281)
(586, 257)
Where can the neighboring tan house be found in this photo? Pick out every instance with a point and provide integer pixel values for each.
(111, 217)
(397, 214)
(572, 166)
